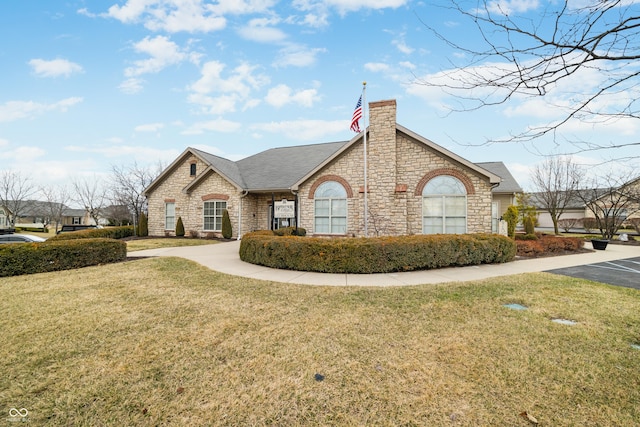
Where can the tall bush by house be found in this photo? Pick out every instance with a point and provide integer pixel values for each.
(227, 231)
(179, 227)
(529, 225)
(511, 216)
(143, 225)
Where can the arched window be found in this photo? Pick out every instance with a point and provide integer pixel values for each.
(330, 208)
(444, 206)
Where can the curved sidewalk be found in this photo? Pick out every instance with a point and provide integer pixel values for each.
(223, 257)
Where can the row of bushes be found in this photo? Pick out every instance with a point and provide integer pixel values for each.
(52, 255)
(374, 255)
(548, 245)
(92, 233)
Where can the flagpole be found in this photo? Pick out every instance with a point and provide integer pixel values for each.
(364, 116)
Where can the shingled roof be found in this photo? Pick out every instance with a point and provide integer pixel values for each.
(508, 184)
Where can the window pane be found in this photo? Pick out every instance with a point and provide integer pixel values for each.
(432, 206)
(444, 184)
(330, 189)
(432, 226)
(455, 225)
(455, 206)
(339, 207)
(322, 225)
(322, 207)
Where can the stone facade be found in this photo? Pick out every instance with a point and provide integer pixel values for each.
(399, 165)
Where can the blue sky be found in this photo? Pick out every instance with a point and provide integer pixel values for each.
(91, 84)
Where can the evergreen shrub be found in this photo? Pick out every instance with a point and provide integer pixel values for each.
(179, 227)
(374, 255)
(93, 233)
(143, 225)
(227, 231)
(57, 255)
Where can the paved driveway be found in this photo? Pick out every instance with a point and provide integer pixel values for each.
(621, 272)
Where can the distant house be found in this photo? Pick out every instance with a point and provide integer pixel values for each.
(414, 186)
(38, 214)
(603, 198)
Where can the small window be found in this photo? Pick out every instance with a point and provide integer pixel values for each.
(170, 216)
(192, 169)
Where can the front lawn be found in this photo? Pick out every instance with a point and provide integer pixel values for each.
(165, 341)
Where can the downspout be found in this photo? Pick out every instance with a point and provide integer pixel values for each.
(242, 196)
(296, 209)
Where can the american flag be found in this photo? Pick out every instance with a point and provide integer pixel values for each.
(357, 114)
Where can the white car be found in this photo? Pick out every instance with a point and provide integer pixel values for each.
(20, 238)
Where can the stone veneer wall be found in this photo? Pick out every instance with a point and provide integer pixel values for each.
(190, 206)
(396, 166)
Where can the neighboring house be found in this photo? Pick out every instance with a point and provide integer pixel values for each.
(4, 219)
(414, 187)
(578, 209)
(37, 214)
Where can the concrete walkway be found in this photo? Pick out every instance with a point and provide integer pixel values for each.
(223, 257)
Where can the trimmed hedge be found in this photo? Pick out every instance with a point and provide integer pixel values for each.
(375, 255)
(29, 258)
(93, 233)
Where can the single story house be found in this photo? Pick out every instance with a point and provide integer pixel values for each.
(414, 187)
(38, 214)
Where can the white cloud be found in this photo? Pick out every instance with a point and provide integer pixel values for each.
(376, 67)
(508, 7)
(16, 110)
(344, 6)
(150, 127)
(408, 65)
(214, 105)
(54, 68)
(262, 30)
(171, 16)
(282, 95)
(233, 88)
(297, 56)
(217, 125)
(402, 46)
(131, 86)
(163, 53)
(4, 142)
(305, 130)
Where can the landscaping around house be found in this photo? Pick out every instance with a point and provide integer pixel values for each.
(165, 341)
(374, 254)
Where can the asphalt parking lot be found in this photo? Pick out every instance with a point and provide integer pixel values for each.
(621, 272)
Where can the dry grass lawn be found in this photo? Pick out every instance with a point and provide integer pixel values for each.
(168, 342)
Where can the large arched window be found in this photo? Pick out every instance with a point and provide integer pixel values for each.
(330, 208)
(444, 206)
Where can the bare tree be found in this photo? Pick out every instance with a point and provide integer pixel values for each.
(15, 190)
(611, 199)
(517, 55)
(56, 197)
(556, 181)
(91, 196)
(127, 187)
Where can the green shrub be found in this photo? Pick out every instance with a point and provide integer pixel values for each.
(374, 255)
(93, 233)
(531, 236)
(227, 231)
(511, 216)
(143, 225)
(179, 227)
(56, 255)
(290, 231)
(529, 225)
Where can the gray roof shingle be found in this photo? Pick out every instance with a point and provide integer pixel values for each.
(508, 184)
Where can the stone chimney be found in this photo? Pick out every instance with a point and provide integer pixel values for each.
(381, 153)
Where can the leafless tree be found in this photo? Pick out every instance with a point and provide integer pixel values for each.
(56, 197)
(517, 55)
(91, 195)
(611, 199)
(15, 190)
(556, 181)
(128, 184)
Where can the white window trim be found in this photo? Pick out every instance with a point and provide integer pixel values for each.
(167, 216)
(212, 216)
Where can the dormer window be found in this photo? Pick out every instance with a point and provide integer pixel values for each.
(192, 169)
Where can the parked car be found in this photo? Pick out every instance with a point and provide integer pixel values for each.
(74, 227)
(20, 238)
